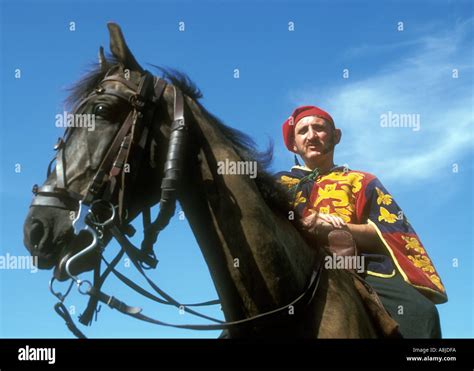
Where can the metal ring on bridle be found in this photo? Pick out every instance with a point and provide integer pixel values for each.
(80, 285)
(108, 221)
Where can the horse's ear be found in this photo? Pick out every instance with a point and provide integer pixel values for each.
(102, 59)
(119, 48)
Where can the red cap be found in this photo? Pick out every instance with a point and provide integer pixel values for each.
(297, 115)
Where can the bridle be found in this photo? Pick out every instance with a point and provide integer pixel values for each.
(109, 184)
(134, 131)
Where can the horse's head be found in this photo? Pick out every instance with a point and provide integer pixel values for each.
(99, 159)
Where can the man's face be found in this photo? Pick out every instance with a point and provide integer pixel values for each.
(314, 137)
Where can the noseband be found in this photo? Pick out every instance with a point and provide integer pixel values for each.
(132, 138)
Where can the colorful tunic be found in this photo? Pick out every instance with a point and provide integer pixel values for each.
(359, 198)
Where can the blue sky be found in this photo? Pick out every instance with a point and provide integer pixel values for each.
(409, 71)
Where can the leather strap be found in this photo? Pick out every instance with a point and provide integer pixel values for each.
(113, 302)
(122, 80)
(302, 300)
(86, 317)
(62, 311)
(53, 197)
(172, 174)
(101, 175)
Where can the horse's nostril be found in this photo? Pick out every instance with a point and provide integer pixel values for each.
(36, 233)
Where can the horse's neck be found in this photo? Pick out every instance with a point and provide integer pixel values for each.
(257, 259)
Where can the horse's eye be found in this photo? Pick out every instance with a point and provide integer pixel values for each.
(100, 110)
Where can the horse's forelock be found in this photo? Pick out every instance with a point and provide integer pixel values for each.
(89, 81)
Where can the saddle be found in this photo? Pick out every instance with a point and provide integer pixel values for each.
(342, 243)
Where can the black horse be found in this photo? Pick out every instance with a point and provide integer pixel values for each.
(257, 258)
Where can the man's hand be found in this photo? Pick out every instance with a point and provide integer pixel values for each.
(319, 225)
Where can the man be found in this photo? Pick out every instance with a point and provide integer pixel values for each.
(327, 197)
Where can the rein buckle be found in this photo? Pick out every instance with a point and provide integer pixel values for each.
(137, 102)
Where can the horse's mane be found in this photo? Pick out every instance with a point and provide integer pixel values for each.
(273, 193)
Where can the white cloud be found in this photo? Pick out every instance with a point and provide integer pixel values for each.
(419, 82)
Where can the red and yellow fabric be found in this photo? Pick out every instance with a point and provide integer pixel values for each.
(359, 197)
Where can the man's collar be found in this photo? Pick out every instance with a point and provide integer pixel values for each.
(305, 168)
(299, 167)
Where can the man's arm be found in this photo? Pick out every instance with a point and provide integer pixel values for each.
(366, 238)
(319, 225)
